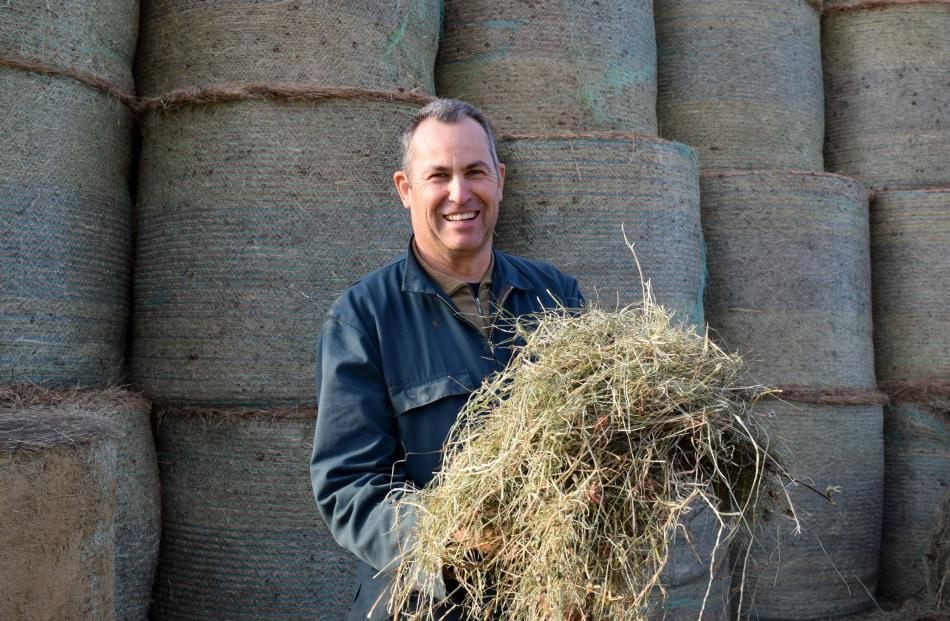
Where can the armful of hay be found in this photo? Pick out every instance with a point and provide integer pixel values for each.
(580, 460)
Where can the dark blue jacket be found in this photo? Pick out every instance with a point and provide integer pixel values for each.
(395, 364)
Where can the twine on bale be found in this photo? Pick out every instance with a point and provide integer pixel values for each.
(833, 7)
(829, 395)
(917, 391)
(7, 59)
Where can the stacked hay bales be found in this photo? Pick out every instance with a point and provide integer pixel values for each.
(137, 511)
(789, 287)
(264, 190)
(65, 206)
(887, 64)
(58, 484)
(571, 89)
(741, 82)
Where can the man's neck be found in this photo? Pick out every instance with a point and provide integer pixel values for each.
(466, 269)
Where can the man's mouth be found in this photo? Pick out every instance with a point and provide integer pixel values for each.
(458, 217)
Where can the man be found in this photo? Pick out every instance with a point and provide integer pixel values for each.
(402, 349)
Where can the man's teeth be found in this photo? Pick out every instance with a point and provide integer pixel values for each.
(455, 217)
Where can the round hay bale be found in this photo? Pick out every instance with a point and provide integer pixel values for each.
(137, 497)
(65, 231)
(829, 569)
(887, 66)
(370, 44)
(567, 197)
(789, 275)
(549, 65)
(741, 82)
(915, 547)
(242, 538)
(253, 217)
(911, 278)
(57, 482)
(94, 37)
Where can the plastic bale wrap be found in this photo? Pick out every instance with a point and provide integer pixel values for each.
(915, 543)
(570, 199)
(910, 254)
(827, 567)
(58, 483)
(372, 44)
(887, 66)
(242, 538)
(600, 475)
(254, 216)
(549, 65)
(741, 81)
(789, 275)
(65, 230)
(137, 497)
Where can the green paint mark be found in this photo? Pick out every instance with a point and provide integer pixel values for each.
(396, 39)
(513, 24)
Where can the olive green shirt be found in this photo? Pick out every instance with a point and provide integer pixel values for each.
(474, 310)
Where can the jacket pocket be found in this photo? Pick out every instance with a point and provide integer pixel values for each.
(450, 385)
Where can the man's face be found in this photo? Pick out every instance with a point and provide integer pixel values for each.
(451, 190)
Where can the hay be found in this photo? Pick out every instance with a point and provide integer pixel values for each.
(65, 231)
(57, 484)
(241, 537)
(915, 542)
(548, 65)
(741, 81)
(253, 217)
(887, 66)
(96, 37)
(567, 196)
(789, 276)
(370, 44)
(137, 501)
(580, 462)
(911, 278)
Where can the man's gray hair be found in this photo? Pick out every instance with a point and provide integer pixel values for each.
(447, 111)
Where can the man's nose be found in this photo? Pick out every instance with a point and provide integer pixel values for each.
(459, 190)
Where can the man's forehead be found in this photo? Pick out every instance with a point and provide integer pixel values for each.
(435, 140)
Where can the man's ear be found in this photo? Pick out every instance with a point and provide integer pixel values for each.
(401, 179)
(501, 180)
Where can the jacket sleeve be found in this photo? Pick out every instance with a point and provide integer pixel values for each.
(354, 468)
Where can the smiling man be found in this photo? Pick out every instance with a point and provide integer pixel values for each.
(403, 348)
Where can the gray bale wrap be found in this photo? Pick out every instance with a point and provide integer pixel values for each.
(915, 547)
(887, 66)
(242, 538)
(370, 44)
(94, 36)
(741, 81)
(65, 231)
(137, 500)
(911, 270)
(830, 568)
(253, 217)
(58, 484)
(551, 65)
(567, 197)
(789, 275)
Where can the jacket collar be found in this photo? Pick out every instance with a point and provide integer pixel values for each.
(415, 279)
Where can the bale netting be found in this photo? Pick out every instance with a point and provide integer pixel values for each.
(789, 276)
(242, 538)
(612, 458)
(910, 257)
(57, 481)
(826, 564)
(137, 497)
(569, 199)
(550, 65)
(65, 231)
(253, 217)
(94, 37)
(887, 66)
(373, 44)
(915, 542)
(741, 82)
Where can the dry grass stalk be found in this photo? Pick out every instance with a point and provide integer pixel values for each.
(579, 462)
